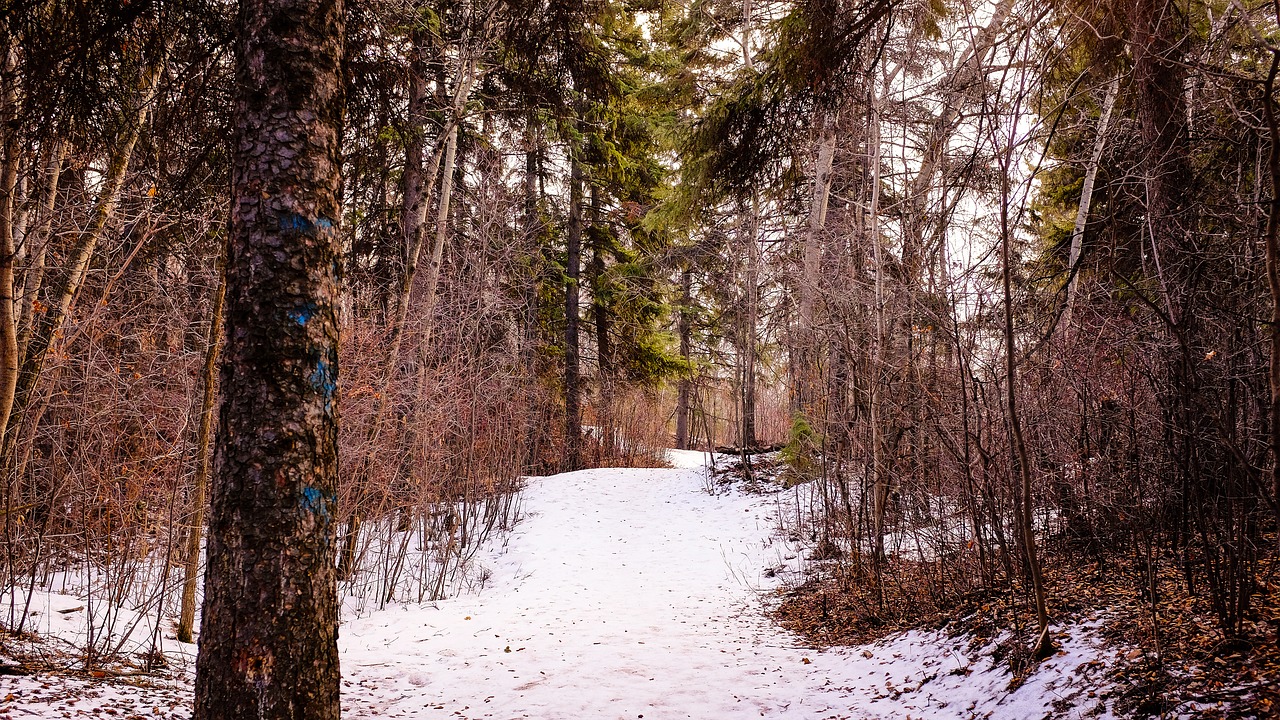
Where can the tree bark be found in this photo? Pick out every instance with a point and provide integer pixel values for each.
(807, 347)
(268, 643)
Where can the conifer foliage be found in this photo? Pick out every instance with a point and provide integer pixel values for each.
(998, 278)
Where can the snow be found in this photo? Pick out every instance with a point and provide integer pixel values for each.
(634, 593)
(629, 593)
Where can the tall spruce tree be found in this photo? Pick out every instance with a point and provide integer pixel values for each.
(268, 645)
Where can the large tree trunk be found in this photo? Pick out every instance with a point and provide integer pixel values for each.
(806, 350)
(268, 643)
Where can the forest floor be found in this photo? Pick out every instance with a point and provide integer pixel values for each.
(627, 593)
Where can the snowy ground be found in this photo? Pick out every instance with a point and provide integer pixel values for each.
(634, 594)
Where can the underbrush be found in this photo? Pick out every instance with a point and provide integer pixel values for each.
(1169, 657)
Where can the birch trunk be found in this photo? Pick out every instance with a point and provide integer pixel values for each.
(432, 280)
(43, 232)
(9, 158)
(1086, 200)
(46, 330)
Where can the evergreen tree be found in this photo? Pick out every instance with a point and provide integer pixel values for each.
(268, 641)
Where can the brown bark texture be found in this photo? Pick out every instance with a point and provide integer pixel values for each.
(268, 642)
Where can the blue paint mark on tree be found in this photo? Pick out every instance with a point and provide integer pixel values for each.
(324, 378)
(297, 223)
(316, 502)
(303, 313)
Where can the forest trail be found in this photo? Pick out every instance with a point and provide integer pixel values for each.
(633, 593)
(622, 593)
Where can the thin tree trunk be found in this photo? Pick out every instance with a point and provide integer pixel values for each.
(751, 314)
(748, 412)
(268, 641)
(1086, 200)
(204, 451)
(879, 474)
(1044, 644)
(538, 425)
(686, 382)
(600, 312)
(432, 280)
(43, 230)
(533, 232)
(572, 381)
(46, 330)
(418, 190)
(1273, 276)
(9, 158)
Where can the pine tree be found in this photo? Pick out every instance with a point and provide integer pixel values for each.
(268, 644)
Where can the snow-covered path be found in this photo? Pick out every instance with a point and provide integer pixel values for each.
(621, 594)
(624, 593)
(635, 594)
